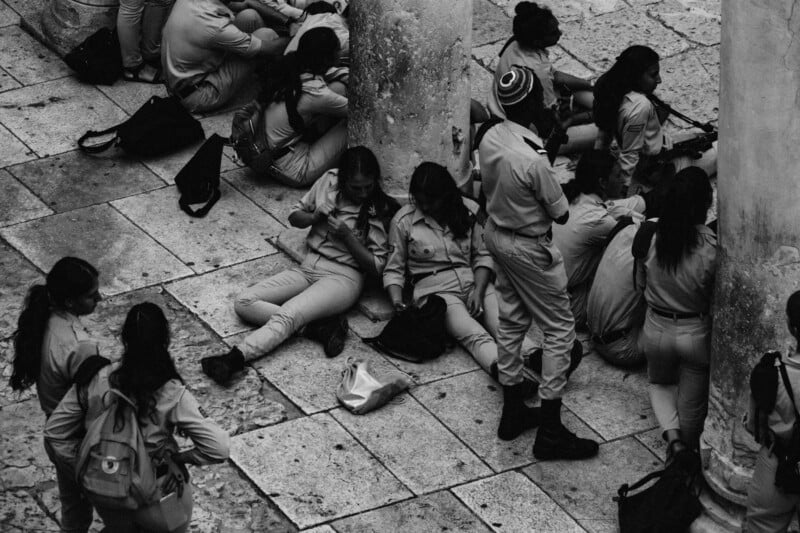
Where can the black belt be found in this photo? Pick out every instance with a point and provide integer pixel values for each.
(416, 278)
(677, 316)
(184, 91)
(611, 336)
(548, 233)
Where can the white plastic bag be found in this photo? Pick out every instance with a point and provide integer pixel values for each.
(361, 392)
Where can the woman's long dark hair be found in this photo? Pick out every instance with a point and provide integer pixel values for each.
(531, 21)
(146, 363)
(434, 181)
(69, 278)
(620, 79)
(686, 204)
(317, 51)
(593, 168)
(361, 160)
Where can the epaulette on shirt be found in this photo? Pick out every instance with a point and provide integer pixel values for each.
(635, 128)
(539, 150)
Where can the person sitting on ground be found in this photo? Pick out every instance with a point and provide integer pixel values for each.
(306, 108)
(50, 344)
(626, 115)
(535, 29)
(346, 243)
(769, 508)
(208, 55)
(677, 274)
(139, 25)
(582, 239)
(322, 14)
(147, 375)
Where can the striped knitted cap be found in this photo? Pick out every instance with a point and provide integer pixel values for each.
(515, 85)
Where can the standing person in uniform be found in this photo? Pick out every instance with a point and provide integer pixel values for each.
(678, 278)
(625, 114)
(769, 508)
(50, 344)
(139, 25)
(346, 243)
(523, 199)
(209, 53)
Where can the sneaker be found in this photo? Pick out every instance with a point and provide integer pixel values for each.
(331, 332)
(560, 443)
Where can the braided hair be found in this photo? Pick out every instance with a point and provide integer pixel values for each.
(361, 160)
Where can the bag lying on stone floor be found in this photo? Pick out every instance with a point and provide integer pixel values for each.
(161, 126)
(361, 392)
(97, 59)
(198, 180)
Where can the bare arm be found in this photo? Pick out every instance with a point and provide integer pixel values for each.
(574, 83)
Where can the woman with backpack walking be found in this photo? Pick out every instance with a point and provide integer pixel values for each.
(50, 344)
(142, 394)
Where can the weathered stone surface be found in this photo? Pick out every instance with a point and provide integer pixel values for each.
(211, 296)
(375, 303)
(12, 150)
(363, 326)
(612, 401)
(131, 96)
(52, 506)
(7, 395)
(566, 10)
(699, 21)
(440, 511)
(584, 488)
(292, 241)
(125, 256)
(235, 230)
(393, 433)
(74, 180)
(510, 502)
(274, 198)
(18, 204)
(50, 117)
(489, 23)
(314, 470)
(612, 33)
(480, 81)
(320, 529)
(27, 60)
(66, 23)
(452, 362)
(22, 513)
(7, 82)
(23, 463)
(8, 17)
(654, 442)
(691, 89)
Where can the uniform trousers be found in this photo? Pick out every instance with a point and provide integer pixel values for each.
(677, 353)
(531, 286)
(76, 509)
(139, 25)
(148, 519)
(285, 302)
(769, 509)
(306, 162)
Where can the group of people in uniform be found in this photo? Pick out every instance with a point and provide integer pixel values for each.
(626, 253)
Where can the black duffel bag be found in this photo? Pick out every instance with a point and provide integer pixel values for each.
(416, 334)
(97, 59)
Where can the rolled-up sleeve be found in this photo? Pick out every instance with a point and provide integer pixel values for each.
(394, 273)
(633, 140)
(211, 442)
(65, 429)
(377, 244)
(480, 254)
(546, 188)
(232, 39)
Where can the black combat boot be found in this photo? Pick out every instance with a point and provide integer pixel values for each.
(220, 368)
(554, 441)
(534, 362)
(516, 417)
(331, 332)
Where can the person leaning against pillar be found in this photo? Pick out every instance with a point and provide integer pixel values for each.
(209, 53)
(523, 198)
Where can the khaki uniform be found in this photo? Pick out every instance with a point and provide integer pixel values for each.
(420, 246)
(523, 196)
(536, 60)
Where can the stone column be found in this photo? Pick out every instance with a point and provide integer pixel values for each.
(409, 92)
(66, 23)
(759, 221)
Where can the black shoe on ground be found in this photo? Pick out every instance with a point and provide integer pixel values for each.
(516, 416)
(221, 368)
(331, 332)
(554, 441)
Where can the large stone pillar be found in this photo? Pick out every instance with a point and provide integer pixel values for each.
(66, 23)
(409, 94)
(759, 221)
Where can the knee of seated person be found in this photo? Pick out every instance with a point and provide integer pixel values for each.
(475, 338)
(266, 34)
(248, 20)
(243, 303)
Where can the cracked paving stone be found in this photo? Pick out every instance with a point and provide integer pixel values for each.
(489, 23)
(12, 150)
(271, 196)
(17, 275)
(24, 461)
(22, 513)
(689, 87)
(18, 204)
(7, 395)
(566, 10)
(699, 21)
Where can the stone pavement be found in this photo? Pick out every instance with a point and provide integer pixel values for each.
(429, 460)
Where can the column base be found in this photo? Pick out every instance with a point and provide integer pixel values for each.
(67, 23)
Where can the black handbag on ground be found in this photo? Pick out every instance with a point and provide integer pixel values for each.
(97, 59)
(161, 126)
(670, 505)
(416, 334)
(198, 180)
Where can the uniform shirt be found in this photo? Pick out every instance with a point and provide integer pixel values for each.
(65, 346)
(521, 188)
(284, 8)
(316, 99)
(688, 289)
(325, 190)
(582, 238)
(614, 303)
(175, 410)
(781, 419)
(324, 20)
(537, 60)
(418, 243)
(198, 36)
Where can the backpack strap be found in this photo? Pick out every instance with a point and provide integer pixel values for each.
(101, 147)
(622, 223)
(625, 489)
(485, 127)
(203, 211)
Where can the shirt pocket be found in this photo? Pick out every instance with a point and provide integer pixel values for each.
(421, 250)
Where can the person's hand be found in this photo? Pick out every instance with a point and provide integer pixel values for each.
(323, 211)
(338, 228)
(474, 304)
(399, 306)
(177, 476)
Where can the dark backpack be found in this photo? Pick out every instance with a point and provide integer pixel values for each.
(161, 126)
(97, 59)
(198, 180)
(416, 334)
(249, 137)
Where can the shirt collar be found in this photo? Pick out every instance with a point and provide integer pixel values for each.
(419, 216)
(524, 132)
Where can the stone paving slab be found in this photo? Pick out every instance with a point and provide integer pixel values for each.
(130, 96)
(320, 529)
(235, 229)
(480, 81)
(7, 82)
(314, 470)
(697, 22)
(74, 180)
(12, 150)
(566, 10)
(28, 60)
(489, 23)
(363, 326)
(8, 396)
(211, 296)
(690, 87)
(394, 433)
(440, 511)
(453, 362)
(125, 256)
(50, 117)
(23, 459)
(272, 197)
(18, 204)
(8, 16)
(585, 488)
(21, 514)
(654, 442)
(612, 401)
(509, 502)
